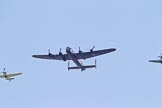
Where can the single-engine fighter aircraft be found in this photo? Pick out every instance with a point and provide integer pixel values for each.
(75, 57)
(157, 61)
(9, 76)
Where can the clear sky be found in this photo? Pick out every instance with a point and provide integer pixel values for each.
(123, 79)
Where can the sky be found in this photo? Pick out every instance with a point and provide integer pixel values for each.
(122, 79)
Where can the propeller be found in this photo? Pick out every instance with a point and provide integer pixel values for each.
(60, 52)
(49, 52)
(4, 69)
(62, 55)
(79, 50)
(91, 50)
(68, 63)
(95, 61)
(160, 56)
(93, 47)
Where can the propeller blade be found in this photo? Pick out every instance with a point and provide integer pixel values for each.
(60, 49)
(95, 61)
(49, 51)
(79, 50)
(93, 47)
(68, 63)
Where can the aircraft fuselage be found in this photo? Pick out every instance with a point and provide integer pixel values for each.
(74, 58)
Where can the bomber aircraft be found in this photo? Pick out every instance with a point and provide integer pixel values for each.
(9, 76)
(157, 61)
(75, 57)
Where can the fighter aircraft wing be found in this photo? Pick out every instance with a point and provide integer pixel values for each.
(1, 76)
(53, 57)
(15, 74)
(86, 55)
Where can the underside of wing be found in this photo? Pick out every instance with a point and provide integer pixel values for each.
(53, 57)
(90, 54)
(15, 74)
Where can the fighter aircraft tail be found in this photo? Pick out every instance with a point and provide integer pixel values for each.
(10, 79)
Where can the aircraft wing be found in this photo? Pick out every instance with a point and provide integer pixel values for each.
(83, 55)
(53, 57)
(86, 55)
(1, 76)
(15, 74)
(156, 61)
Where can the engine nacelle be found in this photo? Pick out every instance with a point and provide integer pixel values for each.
(51, 55)
(62, 56)
(81, 54)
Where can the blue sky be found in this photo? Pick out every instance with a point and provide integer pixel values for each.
(122, 79)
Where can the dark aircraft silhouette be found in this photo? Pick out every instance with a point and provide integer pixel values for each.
(75, 57)
(157, 61)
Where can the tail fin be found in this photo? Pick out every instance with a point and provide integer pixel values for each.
(73, 68)
(91, 66)
(10, 79)
(84, 67)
